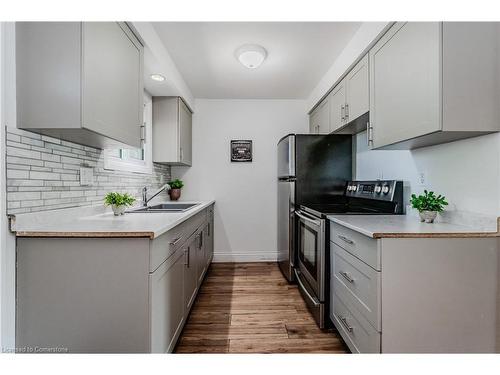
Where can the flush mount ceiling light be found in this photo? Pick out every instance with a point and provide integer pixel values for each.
(157, 77)
(251, 55)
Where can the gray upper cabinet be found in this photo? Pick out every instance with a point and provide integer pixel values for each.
(319, 119)
(337, 106)
(357, 91)
(434, 82)
(80, 81)
(347, 102)
(172, 131)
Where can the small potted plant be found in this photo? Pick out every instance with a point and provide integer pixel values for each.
(428, 205)
(118, 202)
(175, 189)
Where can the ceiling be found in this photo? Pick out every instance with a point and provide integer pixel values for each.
(299, 54)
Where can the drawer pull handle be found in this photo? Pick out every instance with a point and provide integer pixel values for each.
(345, 239)
(176, 241)
(344, 323)
(346, 276)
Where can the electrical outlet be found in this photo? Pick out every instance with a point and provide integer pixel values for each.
(422, 179)
(86, 176)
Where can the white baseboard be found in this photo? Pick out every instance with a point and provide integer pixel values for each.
(245, 257)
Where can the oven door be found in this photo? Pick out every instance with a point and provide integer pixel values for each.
(311, 251)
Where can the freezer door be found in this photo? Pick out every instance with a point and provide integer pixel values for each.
(286, 157)
(286, 228)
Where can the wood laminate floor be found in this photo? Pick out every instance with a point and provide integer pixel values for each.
(250, 308)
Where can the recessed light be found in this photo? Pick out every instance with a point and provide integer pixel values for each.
(157, 77)
(251, 55)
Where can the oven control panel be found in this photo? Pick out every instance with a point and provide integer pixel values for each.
(384, 190)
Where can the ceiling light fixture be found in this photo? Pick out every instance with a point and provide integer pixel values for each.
(251, 55)
(157, 77)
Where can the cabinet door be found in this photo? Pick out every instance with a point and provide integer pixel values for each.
(357, 91)
(319, 122)
(167, 303)
(190, 276)
(405, 83)
(337, 106)
(201, 263)
(112, 82)
(313, 123)
(209, 243)
(185, 134)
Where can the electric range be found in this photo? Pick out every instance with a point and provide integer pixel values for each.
(313, 235)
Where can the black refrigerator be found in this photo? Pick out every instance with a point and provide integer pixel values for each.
(312, 169)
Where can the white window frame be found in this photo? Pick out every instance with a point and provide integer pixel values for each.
(130, 165)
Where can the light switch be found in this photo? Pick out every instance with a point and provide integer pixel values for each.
(86, 176)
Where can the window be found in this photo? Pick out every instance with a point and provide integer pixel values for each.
(138, 160)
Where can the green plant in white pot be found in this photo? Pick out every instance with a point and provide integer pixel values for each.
(428, 205)
(118, 202)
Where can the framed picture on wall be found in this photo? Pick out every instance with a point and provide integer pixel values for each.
(241, 151)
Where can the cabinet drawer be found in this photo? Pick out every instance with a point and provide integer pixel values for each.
(357, 332)
(164, 246)
(357, 283)
(357, 244)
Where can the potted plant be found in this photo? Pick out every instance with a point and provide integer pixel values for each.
(175, 189)
(428, 205)
(118, 202)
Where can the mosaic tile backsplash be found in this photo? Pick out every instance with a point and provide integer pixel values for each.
(43, 174)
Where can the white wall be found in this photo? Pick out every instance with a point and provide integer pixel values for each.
(7, 240)
(245, 193)
(467, 172)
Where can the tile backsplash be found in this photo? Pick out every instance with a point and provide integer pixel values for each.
(43, 174)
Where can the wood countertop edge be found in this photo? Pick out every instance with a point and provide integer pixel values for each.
(149, 235)
(438, 235)
(472, 234)
(442, 235)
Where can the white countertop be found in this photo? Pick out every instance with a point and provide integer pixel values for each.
(409, 226)
(99, 221)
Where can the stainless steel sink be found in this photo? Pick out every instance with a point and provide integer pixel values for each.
(165, 207)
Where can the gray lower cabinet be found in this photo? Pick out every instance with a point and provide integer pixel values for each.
(191, 272)
(413, 295)
(80, 81)
(201, 254)
(434, 82)
(109, 295)
(167, 303)
(172, 131)
(208, 239)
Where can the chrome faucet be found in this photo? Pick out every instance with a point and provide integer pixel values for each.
(145, 198)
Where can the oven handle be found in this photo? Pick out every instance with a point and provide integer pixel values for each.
(302, 286)
(315, 222)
